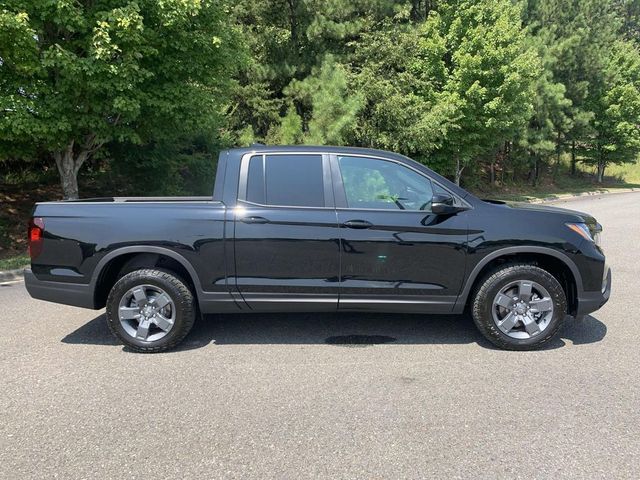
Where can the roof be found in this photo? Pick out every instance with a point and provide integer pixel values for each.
(317, 148)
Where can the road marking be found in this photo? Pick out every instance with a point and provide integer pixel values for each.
(11, 282)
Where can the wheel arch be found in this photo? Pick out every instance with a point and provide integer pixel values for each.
(557, 263)
(109, 267)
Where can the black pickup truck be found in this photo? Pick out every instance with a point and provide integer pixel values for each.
(318, 229)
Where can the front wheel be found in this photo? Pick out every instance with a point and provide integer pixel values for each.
(150, 310)
(519, 307)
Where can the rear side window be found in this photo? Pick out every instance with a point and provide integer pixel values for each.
(286, 180)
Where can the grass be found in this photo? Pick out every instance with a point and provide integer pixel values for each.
(14, 263)
(628, 172)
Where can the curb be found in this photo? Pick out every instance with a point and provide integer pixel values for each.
(9, 275)
(566, 196)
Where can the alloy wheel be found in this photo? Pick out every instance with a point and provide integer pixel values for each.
(147, 312)
(522, 309)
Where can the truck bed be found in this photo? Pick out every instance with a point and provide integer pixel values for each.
(79, 234)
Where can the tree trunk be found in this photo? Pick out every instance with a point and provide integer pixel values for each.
(507, 155)
(556, 168)
(492, 172)
(573, 158)
(459, 170)
(415, 10)
(69, 163)
(506, 162)
(293, 21)
(601, 166)
(535, 169)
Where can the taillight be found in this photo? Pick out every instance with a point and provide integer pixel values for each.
(35, 234)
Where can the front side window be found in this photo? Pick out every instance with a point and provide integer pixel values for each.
(286, 180)
(381, 184)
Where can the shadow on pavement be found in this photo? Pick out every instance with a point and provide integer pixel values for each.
(340, 329)
(582, 332)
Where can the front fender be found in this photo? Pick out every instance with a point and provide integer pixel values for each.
(507, 251)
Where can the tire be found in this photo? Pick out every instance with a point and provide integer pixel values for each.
(500, 300)
(154, 328)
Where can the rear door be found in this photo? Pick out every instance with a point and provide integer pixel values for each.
(395, 253)
(286, 233)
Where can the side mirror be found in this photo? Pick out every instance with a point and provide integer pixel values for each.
(443, 204)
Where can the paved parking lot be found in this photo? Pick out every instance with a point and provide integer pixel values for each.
(266, 397)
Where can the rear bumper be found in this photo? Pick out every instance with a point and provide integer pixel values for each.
(591, 301)
(76, 294)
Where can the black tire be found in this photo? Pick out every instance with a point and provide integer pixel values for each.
(178, 291)
(494, 282)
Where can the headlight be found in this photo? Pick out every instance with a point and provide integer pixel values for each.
(585, 231)
(596, 237)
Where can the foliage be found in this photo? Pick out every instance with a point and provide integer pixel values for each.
(616, 105)
(80, 75)
(497, 90)
(401, 75)
(164, 168)
(332, 110)
(491, 77)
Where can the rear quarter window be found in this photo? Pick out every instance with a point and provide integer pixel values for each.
(286, 180)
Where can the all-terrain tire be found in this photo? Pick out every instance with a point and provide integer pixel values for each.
(482, 305)
(174, 287)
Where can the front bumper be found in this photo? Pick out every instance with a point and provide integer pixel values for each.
(591, 301)
(76, 294)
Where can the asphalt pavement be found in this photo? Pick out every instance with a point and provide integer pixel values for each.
(266, 396)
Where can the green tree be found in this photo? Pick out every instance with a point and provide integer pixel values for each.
(577, 36)
(399, 70)
(491, 75)
(629, 13)
(288, 131)
(551, 119)
(291, 42)
(78, 75)
(615, 101)
(448, 89)
(331, 108)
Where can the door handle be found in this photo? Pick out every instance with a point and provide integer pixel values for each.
(253, 219)
(361, 224)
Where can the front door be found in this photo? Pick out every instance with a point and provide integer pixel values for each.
(286, 234)
(395, 253)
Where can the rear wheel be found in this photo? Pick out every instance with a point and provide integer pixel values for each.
(519, 307)
(150, 310)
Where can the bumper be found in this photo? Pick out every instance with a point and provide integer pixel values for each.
(591, 301)
(76, 294)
